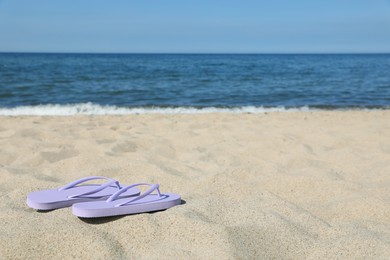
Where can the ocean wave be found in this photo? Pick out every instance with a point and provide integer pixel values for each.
(95, 109)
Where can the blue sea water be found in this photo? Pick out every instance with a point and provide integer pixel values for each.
(177, 81)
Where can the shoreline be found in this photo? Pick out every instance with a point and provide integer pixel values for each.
(269, 185)
(91, 109)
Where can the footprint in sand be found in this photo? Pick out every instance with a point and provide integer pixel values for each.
(125, 147)
(63, 154)
(31, 172)
(105, 141)
(7, 158)
(30, 133)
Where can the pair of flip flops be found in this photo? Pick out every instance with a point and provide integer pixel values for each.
(102, 200)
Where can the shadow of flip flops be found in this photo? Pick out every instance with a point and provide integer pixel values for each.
(104, 220)
(99, 221)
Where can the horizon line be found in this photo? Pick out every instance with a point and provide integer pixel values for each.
(197, 53)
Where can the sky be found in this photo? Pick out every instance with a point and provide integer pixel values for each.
(195, 26)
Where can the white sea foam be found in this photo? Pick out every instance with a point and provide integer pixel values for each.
(94, 109)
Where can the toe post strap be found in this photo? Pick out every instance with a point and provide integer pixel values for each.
(153, 187)
(110, 182)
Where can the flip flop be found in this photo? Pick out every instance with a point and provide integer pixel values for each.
(73, 193)
(118, 205)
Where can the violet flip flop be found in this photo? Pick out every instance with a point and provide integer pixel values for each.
(73, 192)
(119, 205)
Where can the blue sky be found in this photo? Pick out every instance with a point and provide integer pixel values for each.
(195, 26)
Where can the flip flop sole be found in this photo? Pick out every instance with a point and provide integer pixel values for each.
(105, 209)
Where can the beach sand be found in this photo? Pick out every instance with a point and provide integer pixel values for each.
(282, 185)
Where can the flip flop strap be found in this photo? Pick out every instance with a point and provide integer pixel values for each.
(153, 187)
(99, 188)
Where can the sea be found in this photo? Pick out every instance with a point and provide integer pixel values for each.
(109, 84)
